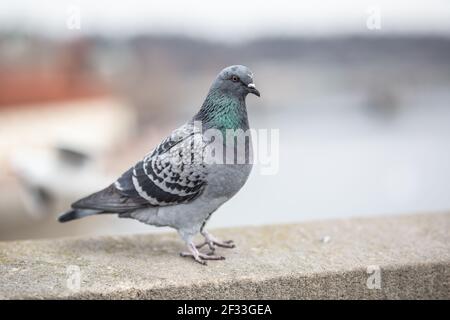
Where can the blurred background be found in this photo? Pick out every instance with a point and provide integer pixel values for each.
(359, 90)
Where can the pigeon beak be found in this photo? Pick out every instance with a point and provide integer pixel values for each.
(252, 89)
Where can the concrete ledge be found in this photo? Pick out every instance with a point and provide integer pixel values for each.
(402, 257)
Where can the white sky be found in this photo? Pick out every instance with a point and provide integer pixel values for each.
(230, 20)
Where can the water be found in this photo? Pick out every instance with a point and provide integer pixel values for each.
(341, 160)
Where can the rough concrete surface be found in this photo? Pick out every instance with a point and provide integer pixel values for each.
(401, 257)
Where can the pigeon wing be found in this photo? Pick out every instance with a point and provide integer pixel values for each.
(172, 173)
(110, 200)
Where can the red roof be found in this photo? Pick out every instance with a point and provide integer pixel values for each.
(68, 77)
(33, 87)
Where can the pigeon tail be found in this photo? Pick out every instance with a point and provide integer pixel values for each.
(77, 214)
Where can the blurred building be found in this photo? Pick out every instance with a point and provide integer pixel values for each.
(57, 122)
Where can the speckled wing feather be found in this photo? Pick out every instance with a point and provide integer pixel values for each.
(110, 200)
(172, 173)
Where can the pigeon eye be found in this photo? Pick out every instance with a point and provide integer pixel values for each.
(235, 78)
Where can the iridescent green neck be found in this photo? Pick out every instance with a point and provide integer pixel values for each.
(223, 111)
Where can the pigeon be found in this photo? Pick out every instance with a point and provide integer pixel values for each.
(191, 173)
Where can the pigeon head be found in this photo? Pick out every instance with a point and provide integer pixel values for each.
(235, 80)
(224, 106)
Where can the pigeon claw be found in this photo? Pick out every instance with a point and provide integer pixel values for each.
(213, 242)
(226, 244)
(211, 257)
(196, 258)
(201, 257)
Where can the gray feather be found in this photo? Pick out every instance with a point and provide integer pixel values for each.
(77, 214)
